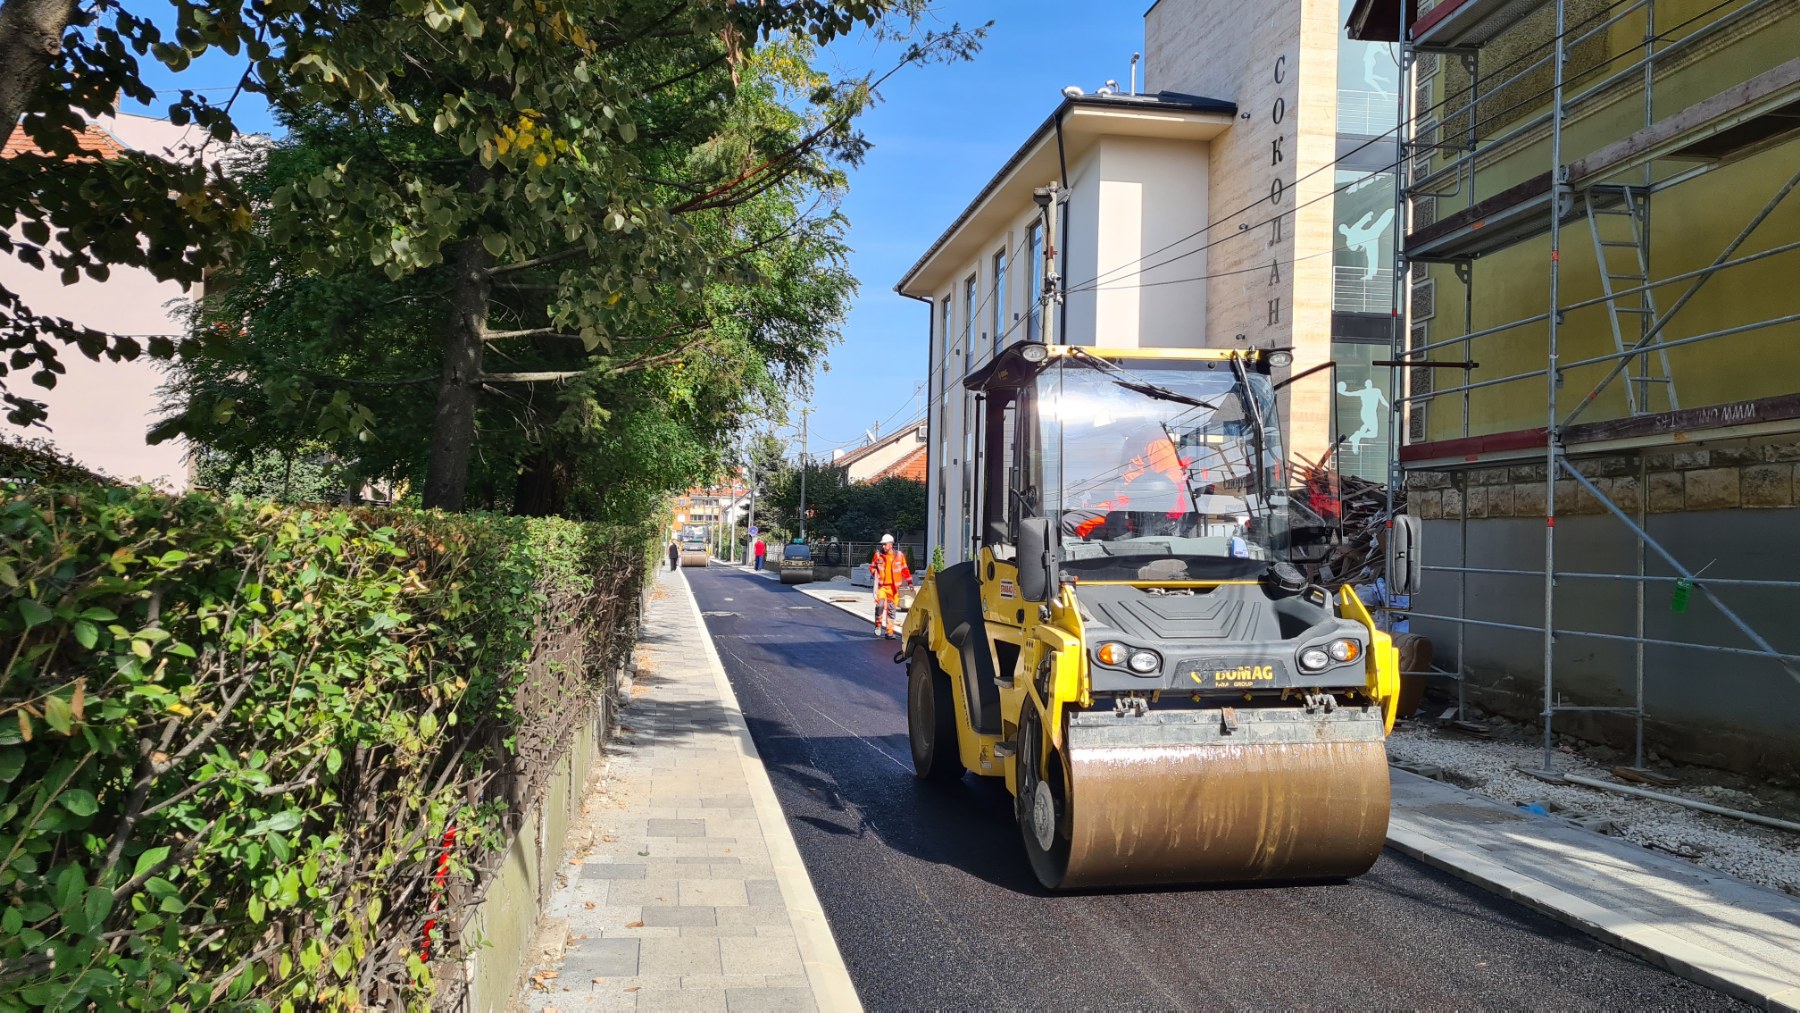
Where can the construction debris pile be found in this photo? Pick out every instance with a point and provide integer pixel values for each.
(1362, 508)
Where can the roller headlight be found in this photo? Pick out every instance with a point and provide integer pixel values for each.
(1034, 353)
(1111, 654)
(1144, 662)
(1345, 650)
(1314, 658)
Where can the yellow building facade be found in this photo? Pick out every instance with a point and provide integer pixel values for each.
(1597, 187)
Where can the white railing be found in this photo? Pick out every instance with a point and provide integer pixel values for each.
(1366, 113)
(1352, 292)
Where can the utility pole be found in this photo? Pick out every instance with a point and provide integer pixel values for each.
(803, 413)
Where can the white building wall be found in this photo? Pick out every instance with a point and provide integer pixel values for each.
(1130, 198)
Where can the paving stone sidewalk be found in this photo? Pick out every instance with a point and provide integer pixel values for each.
(691, 895)
(1707, 927)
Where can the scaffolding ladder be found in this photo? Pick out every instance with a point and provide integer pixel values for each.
(1625, 282)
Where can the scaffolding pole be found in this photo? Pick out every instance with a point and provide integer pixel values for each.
(1563, 191)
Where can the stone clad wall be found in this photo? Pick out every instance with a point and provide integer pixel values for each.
(1728, 509)
(1751, 477)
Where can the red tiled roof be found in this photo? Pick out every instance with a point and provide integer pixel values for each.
(911, 467)
(852, 456)
(91, 139)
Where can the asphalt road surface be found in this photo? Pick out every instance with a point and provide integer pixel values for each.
(934, 907)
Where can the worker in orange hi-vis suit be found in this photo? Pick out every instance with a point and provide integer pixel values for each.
(1161, 457)
(888, 570)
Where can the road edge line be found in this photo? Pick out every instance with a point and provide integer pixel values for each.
(825, 969)
(1705, 967)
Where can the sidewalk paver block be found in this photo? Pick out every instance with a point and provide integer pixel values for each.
(683, 916)
(679, 955)
(612, 870)
(588, 959)
(744, 1000)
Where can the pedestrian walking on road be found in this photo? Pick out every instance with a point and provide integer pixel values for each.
(760, 551)
(888, 570)
(674, 554)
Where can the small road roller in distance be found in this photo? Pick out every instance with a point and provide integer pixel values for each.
(1132, 649)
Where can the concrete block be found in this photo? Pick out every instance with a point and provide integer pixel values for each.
(1768, 485)
(1526, 472)
(683, 999)
(682, 916)
(1502, 500)
(1668, 493)
(1490, 476)
(1688, 460)
(759, 955)
(771, 915)
(611, 870)
(1712, 488)
(1722, 456)
(1427, 506)
(675, 828)
(763, 891)
(1453, 504)
(781, 1000)
(1427, 480)
(681, 955)
(713, 893)
(1781, 452)
(601, 958)
(1528, 499)
(1626, 493)
(1475, 500)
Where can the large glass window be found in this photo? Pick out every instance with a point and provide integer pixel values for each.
(1368, 83)
(1360, 409)
(1034, 282)
(999, 299)
(1171, 466)
(1362, 256)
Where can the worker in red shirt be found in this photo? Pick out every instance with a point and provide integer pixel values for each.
(888, 570)
(761, 552)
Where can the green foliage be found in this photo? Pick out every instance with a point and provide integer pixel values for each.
(232, 736)
(35, 461)
(304, 474)
(861, 512)
(603, 188)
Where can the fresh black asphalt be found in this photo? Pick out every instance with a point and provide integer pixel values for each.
(933, 906)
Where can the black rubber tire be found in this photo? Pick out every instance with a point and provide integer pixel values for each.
(931, 721)
(1051, 866)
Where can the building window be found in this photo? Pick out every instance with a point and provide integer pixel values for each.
(999, 298)
(945, 348)
(968, 319)
(1362, 414)
(1034, 282)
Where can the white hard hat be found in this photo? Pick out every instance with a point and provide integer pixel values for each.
(887, 539)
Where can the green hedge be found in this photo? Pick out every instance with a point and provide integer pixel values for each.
(233, 737)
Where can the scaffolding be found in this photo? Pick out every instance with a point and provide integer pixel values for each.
(1609, 192)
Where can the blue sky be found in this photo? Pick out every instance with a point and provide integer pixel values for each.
(940, 132)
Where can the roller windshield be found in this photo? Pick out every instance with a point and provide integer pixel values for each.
(1161, 469)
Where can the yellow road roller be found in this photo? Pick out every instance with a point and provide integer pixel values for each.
(1132, 648)
(694, 552)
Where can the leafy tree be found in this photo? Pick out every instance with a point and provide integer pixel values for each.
(583, 186)
(304, 474)
(862, 512)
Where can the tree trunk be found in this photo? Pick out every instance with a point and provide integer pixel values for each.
(30, 37)
(543, 487)
(453, 429)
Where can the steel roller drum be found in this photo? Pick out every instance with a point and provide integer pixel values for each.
(1283, 796)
